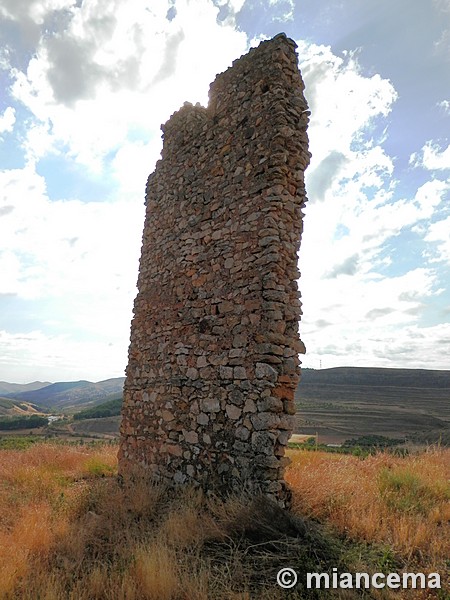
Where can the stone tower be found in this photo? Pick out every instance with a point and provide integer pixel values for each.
(213, 359)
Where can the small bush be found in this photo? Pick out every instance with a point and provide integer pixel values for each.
(98, 467)
(406, 492)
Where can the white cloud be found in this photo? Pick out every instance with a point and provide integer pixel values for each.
(429, 196)
(236, 5)
(100, 82)
(344, 107)
(59, 357)
(342, 101)
(7, 120)
(119, 68)
(442, 45)
(34, 10)
(438, 233)
(228, 10)
(82, 256)
(373, 322)
(431, 157)
(131, 166)
(101, 79)
(285, 9)
(353, 313)
(352, 178)
(370, 292)
(445, 105)
(443, 6)
(33, 18)
(383, 345)
(38, 142)
(10, 270)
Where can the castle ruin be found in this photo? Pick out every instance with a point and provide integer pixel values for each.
(213, 359)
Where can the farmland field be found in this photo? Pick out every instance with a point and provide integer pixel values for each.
(341, 403)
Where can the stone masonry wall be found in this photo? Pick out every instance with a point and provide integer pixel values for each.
(213, 360)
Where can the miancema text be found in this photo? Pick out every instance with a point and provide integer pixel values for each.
(376, 580)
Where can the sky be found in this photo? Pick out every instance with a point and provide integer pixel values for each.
(84, 88)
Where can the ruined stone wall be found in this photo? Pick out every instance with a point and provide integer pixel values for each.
(213, 359)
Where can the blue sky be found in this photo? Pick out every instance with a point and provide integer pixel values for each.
(85, 86)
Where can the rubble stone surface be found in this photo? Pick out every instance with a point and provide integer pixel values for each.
(213, 359)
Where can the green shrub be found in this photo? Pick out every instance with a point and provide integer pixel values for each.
(95, 466)
(405, 492)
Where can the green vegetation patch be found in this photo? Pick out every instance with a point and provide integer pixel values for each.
(374, 441)
(95, 466)
(22, 422)
(111, 408)
(362, 446)
(6, 403)
(405, 492)
(18, 443)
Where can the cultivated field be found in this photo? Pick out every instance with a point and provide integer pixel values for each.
(339, 404)
(68, 531)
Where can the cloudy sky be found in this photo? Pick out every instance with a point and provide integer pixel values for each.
(84, 87)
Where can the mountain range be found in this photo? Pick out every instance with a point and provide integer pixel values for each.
(15, 388)
(67, 396)
(341, 402)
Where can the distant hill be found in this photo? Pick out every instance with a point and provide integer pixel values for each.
(16, 408)
(339, 404)
(375, 377)
(70, 396)
(111, 408)
(345, 402)
(15, 388)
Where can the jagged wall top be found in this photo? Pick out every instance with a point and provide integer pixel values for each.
(261, 69)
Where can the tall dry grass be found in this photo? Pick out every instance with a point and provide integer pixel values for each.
(402, 503)
(36, 492)
(68, 531)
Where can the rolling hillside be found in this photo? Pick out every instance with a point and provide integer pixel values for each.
(111, 408)
(378, 377)
(338, 404)
(73, 395)
(16, 408)
(344, 403)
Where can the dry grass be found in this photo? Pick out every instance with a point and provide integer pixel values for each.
(399, 502)
(68, 531)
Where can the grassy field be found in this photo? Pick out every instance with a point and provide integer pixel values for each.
(68, 531)
(105, 428)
